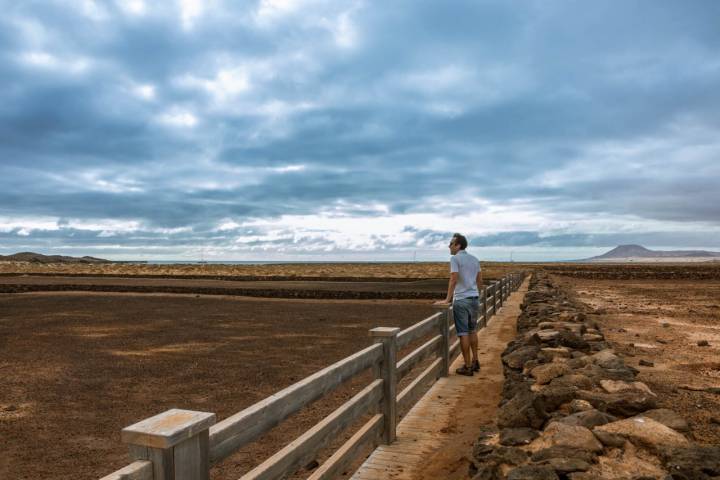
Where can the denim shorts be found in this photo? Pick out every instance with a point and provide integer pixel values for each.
(465, 314)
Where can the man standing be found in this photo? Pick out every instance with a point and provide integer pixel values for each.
(465, 276)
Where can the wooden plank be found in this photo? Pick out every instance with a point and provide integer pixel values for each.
(388, 373)
(412, 392)
(305, 447)
(191, 458)
(168, 428)
(338, 461)
(425, 350)
(243, 427)
(419, 330)
(138, 470)
(454, 349)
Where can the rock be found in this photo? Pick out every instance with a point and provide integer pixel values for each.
(668, 418)
(517, 358)
(588, 419)
(617, 386)
(481, 451)
(544, 373)
(625, 404)
(560, 434)
(562, 452)
(646, 363)
(517, 436)
(607, 359)
(610, 439)
(553, 396)
(665, 325)
(487, 471)
(567, 465)
(573, 380)
(622, 330)
(645, 432)
(545, 336)
(533, 472)
(580, 406)
(693, 461)
(703, 343)
(550, 353)
(572, 340)
(592, 337)
(597, 373)
(525, 409)
(508, 456)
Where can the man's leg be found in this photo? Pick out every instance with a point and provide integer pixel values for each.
(473, 347)
(465, 348)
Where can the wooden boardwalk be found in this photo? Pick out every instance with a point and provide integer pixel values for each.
(429, 427)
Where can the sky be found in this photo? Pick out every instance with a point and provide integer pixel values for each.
(358, 130)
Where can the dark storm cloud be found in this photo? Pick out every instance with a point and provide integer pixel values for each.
(606, 110)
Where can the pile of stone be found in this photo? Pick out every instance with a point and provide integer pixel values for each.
(572, 409)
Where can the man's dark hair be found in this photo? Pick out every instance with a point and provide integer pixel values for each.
(460, 240)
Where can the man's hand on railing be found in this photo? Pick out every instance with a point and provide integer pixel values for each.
(442, 303)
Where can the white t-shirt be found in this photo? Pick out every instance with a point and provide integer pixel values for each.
(467, 268)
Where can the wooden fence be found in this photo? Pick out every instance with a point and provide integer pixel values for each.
(183, 444)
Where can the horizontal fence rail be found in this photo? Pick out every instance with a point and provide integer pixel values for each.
(183, 444)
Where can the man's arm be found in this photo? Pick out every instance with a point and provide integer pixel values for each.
(451, 289)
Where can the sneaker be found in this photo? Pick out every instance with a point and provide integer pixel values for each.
(476, 366)
(467, 371)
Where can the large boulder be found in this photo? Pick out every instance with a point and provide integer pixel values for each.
(533, 472)
(560, 434)
(546, 372)
(694, 462)
(588, 419)
(617, 386)
(607, 359)
(517, 436)
(646, 432)
(517, 358)
(525, 409)
(577, 380)
(625, 404)
(553, 396)
(668, 418)
(558, 451)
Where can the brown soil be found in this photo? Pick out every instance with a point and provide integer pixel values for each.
(288, 271)
(662, 321)
(631, 271)
(77, 367)
(430, 288)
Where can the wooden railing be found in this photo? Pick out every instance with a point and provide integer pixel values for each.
(183, 444)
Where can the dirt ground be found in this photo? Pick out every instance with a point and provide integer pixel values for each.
(286, 271)
(427, 288)
(662, 321)
(76, 368)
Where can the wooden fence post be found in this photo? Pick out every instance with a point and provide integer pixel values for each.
(388, 372)
(483, 306)
(176, 441)
(445, 318)
(502, 292)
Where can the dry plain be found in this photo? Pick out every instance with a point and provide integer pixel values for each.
(77, 366)
(90, 349)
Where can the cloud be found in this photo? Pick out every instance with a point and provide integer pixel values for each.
(334, 126)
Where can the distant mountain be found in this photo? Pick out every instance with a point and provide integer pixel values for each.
(640, 252)
(40, 258)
